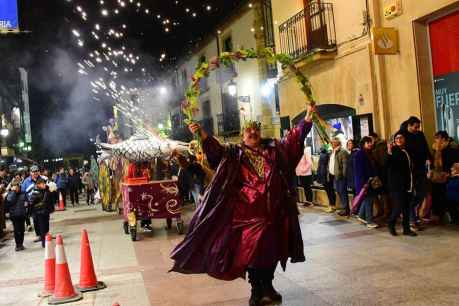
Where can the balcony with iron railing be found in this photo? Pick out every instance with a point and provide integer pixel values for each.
(311, 30)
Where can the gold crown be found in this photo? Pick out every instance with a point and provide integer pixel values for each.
(251, 124)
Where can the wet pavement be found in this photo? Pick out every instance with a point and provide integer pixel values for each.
(347, 264)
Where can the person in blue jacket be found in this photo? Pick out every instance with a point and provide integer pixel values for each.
(62, 182)
(26, 188)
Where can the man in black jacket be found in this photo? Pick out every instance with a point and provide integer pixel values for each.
(418, 149)
(74, 186)
(41, 201)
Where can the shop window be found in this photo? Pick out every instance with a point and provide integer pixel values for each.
(444, 45)
(343, 119)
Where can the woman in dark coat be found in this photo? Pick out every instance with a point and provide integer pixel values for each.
(364, 170)
(352, 148)
(400, 184)
(15, 205)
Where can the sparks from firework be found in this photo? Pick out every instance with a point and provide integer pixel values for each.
(113, 55)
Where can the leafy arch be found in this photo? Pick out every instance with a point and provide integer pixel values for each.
(191, 104)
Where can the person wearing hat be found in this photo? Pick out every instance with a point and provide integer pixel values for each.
(15, 205)
(247, 221)
(41, 204)
(27, 187)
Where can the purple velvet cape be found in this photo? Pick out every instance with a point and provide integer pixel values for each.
(206, 246)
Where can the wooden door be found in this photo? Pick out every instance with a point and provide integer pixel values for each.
(316, 27)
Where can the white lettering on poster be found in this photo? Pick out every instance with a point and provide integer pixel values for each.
(5, 24)
(443, 98)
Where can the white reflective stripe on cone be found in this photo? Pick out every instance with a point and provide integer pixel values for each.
(60, 255)
(49, 250)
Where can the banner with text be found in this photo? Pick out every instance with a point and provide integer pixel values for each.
(447, 103)
(9, 20)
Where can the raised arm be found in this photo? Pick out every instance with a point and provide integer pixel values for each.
(211, 147)
(293, 143)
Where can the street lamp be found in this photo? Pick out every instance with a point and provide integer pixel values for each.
(163, 91)
(232, 88)
(4, 132)
(266, 90)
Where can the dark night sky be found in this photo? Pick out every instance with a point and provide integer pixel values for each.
(62, 118)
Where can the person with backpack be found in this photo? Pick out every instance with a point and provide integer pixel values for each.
(16, 206)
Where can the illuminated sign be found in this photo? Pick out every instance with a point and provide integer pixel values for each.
(9, 15)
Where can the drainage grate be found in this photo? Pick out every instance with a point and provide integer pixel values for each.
(335, 222)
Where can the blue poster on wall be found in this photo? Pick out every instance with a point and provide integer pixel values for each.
(447, 103)
(9, 15)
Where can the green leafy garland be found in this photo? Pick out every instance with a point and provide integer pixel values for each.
(191, 105)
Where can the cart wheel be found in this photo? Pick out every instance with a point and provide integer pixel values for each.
(180, 227)
(169, 223)
(126, 227)
(133, 230)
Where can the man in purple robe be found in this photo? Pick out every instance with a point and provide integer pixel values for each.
(248, 218)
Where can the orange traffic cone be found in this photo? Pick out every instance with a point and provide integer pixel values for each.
(61, 203)
(88, 279)
(50, 265)
(64, 292)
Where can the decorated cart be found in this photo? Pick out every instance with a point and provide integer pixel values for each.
(126, 169)
(151, 200)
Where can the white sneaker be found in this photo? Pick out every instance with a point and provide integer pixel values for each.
(361, 220)
(372, 225)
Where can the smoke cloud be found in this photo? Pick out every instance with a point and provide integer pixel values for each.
(76, 115)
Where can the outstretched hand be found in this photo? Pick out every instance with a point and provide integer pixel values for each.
(196, 129)
(311, 109)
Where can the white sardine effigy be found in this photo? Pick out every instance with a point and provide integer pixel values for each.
(143, 148)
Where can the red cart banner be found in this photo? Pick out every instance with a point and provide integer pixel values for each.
(158, 200)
